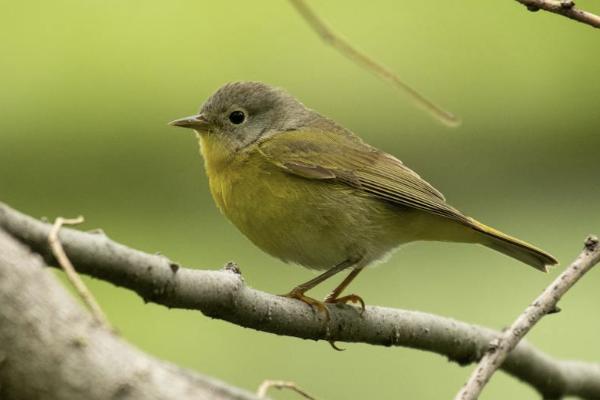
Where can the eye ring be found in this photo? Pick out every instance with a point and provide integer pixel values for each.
(237, 117)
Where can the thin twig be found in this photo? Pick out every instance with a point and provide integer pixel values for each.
(72, 275)
(500, 347)
(565, 8)
(362, 59)
(268, 384)
(224, 295)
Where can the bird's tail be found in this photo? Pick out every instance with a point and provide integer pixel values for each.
(513, 247)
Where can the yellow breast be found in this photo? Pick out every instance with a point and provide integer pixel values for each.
(229, 174)
(314, 223)
(248, 190)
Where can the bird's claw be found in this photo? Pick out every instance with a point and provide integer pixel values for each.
(351, 298)
(318, 305)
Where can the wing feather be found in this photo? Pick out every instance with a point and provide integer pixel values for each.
(341, 156)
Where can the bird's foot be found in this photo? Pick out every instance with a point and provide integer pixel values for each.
(351, 298)
(316, 304)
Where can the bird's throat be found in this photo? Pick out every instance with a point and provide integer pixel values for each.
(217, 155)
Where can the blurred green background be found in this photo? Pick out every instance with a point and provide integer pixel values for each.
(88, 87)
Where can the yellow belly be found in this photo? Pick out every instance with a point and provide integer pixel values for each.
(314, 223)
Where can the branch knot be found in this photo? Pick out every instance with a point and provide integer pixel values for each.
(591, 243)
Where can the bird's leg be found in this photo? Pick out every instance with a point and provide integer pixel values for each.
(298, 291)
(333, 297)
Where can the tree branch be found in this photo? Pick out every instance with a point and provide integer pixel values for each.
(223, 295)
(544, 304)
(368, 63)
(51, 349)
(565, 8)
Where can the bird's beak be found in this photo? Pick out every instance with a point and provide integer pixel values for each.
(197, 122)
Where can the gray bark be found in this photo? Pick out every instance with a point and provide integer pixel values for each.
(50, 348)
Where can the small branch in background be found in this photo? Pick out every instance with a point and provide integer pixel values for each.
(565, 8)
(264, 387)
(360, 58)
(72, 275)
(545, 303)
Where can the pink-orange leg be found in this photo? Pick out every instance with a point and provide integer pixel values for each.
(298, 291)
(333, 297)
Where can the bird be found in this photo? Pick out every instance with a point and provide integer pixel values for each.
(310, 192)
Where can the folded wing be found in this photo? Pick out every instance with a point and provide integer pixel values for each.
(342, 156)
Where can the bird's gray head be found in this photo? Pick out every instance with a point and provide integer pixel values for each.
(243, 112)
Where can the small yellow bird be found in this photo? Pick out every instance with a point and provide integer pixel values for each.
(308, 191)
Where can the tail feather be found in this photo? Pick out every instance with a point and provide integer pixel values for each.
(513, 247)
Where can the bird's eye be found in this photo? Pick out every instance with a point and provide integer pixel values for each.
(237, 117)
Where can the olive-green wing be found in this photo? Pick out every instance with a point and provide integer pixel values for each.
(343, 157)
